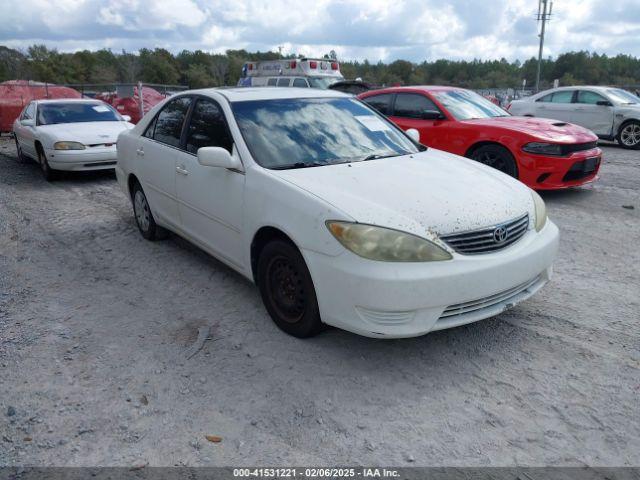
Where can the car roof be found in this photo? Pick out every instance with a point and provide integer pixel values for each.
(67, 100)
(599, 88)
(244, 94)
(416, 88)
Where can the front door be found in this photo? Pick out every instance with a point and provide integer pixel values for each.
(587, 113)
(210, 199)
(409, 110)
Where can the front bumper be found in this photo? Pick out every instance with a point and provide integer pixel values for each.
(82, 160)
(542, 172)
(396, 300)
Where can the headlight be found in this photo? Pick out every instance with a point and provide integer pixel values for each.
(385, 244)
(540, 148)
(68, 146)
(540, 209)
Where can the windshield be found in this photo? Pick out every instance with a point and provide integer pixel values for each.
(308, 132)
(52, 113)
(467, 105)
(323, 82)
(622, 96)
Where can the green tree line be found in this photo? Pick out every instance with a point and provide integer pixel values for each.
(201, 69)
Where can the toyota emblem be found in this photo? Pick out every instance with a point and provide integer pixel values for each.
(500, 234)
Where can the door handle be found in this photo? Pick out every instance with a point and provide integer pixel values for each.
(140, 152)
(181, 170)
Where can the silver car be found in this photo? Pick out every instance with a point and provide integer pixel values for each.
(611, 113)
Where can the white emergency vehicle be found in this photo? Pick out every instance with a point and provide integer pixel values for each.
(298, 72)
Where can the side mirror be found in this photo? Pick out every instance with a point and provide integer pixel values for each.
(218, 157)
(413, 134)
(604, 103)
(432, 115)
(126, 118)
(28, 122)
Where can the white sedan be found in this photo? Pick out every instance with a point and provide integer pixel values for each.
(337, 215)
(69, 134)
(611, 113)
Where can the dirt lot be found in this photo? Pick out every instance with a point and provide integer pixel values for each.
(96, 323)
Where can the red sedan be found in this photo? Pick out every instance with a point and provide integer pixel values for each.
(544, 154)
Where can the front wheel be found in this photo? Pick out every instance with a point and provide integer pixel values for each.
(144, 218)
(629, 135)
(497, 157)
(287, 290)
(48, 173)
(20, 153)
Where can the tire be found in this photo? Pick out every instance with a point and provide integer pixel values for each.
(629, 135)
(144, 218)
(48, 173)
(497, 157)
(287, 290)
(21, 156)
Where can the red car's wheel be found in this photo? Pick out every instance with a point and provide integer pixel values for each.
(497, 157)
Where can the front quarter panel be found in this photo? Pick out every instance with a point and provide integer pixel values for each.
(274, 202)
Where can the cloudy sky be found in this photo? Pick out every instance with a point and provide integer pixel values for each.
(356, 29)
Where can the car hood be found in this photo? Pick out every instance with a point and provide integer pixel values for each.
(426, 194)
(87, 133)
(541, 128)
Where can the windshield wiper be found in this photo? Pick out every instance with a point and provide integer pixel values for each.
(376, 156)
(292, 166)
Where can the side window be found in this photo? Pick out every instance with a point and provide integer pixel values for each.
(150, 128)
(208, 127)
(590, 98)
(170, 121)
(380, 102)
(563, 96)
(29, 112)
(283, 82)
(272, 82)
(545, 99)
(412, 105)
(300, 82)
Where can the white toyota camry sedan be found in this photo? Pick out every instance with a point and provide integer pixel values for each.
(337, 215)
(69, 134)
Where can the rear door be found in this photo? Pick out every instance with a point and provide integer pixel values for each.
(587, 113)
(408, 111)
(556, 106)
(156, 159)
(210, 198)
(382, 103)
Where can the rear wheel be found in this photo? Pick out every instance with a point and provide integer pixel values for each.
(629, 135)
(497, 157)
(287, 290)
(48, 173)
(144, 218)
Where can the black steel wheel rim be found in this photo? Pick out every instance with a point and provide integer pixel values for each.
(285, 289)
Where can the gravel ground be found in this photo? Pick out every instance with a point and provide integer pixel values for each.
(96, 325)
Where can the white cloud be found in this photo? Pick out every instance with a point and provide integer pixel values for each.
(357, 29)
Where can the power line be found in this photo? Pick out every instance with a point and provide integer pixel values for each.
(543, 16)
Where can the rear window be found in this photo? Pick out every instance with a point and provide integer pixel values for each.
(54, 113)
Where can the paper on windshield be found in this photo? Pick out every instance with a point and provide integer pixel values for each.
(101, 108)
(373, 123)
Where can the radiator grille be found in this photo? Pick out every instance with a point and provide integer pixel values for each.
(490, 239)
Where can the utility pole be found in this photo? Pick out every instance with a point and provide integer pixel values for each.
(543, 16)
